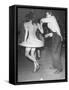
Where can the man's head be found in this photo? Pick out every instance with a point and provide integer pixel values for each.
(48, 14)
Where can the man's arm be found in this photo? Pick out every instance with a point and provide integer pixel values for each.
(45, 20)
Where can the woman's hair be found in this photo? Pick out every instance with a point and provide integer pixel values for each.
(36, 20)
(29, 16)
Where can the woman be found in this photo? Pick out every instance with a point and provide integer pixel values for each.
(31, 42)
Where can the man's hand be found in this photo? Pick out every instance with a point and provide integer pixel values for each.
(49, 35)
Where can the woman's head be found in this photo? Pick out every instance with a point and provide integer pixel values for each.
(29, 16)
(36, 20)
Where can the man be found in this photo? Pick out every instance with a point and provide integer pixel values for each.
(56, 40)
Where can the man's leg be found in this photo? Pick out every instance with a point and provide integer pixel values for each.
(56, 54)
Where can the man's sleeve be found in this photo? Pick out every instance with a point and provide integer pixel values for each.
(45, 20)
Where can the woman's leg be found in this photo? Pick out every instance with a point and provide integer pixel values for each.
(38, 53)
(31, 54)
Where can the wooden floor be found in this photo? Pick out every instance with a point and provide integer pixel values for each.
(25, 67)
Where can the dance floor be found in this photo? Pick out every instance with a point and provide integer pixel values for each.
(26, 67)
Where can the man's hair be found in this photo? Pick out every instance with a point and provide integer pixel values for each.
(50, 12)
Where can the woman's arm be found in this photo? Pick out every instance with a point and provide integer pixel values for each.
(39, 26)
(26, 32)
